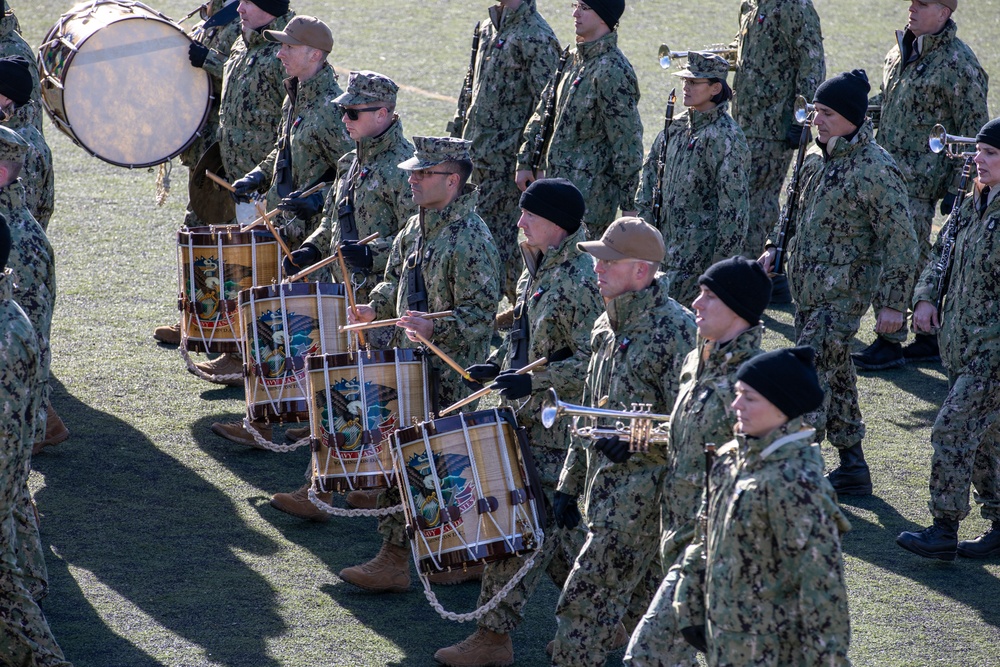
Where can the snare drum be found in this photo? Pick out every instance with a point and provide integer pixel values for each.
(281, 324)
(213, 265)
(358, 401)
(466, 491)
(115, 77)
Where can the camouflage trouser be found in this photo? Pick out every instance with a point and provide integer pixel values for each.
(966, 441)
(829, 332)
(392, 527)
(30, 555)
(768, 167)
(747, 649)
(922, 214)
(610, 569)
(657, 639)
(556, 557)
(25, 637)
(498, 207)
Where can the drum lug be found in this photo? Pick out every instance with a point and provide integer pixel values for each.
(487, 504)
(518, 497)
(410, 533)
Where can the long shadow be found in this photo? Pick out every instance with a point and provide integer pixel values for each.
(777, 325)
(148, 529)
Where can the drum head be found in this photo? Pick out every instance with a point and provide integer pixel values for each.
(209, 201)
(131, 96)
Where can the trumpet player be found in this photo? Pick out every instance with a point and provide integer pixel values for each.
(852, 225)
(930, 76)
(694, 185)
(639, 344)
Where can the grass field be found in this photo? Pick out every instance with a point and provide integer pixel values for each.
(161, 547)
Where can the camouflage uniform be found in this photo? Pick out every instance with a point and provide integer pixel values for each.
(382, 201)
(945, 84)
(560, 303)
(12, 44)
(701, 415)
(965, 435)
(779, 56)
(596, 139)
(517, 54)
(317, 140)
(852, 238)
(639, 346)
(705, 212)
(37, 176)
(768, 578)
(25, 637)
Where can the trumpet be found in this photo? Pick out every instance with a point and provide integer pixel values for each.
(942, 142)
(666, 55)
(644, 427)
(803, 111)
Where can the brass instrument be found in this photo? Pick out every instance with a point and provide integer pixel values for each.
(942, 142)
(666, 55)
(644, 426)
(803, 111)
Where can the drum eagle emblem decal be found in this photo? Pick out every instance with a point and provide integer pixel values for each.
(350, 418)
(282, 352)
(456, 490)
(216, 282)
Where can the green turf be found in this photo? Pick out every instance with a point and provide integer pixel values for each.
(161, 547)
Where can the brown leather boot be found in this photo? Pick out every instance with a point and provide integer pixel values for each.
(363, 499)
(458, 575)
(296, 434)
(298, 504)
(388, 572)
(169, 334)
(483, 648)
(55, 431)
(235, 432)
(223, 370)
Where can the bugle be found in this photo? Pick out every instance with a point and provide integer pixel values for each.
(644, 427)
(804, 111)
(666, 56)
(942, 142)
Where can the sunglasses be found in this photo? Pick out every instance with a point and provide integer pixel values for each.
(352, 113)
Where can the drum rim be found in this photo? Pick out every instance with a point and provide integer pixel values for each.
(316, 362)
(276, 291)
(208, 235)
(453, 423)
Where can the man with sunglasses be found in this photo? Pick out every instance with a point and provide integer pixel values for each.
(443, 259)
(596, 134)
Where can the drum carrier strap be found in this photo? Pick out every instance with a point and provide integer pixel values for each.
(520, 334)
(345, 204)
(283, 165)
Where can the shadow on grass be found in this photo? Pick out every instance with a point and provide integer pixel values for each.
(118, 511)
(772, 323)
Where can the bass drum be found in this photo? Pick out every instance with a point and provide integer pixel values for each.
(115, 77)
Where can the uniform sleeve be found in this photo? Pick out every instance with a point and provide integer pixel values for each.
(968, 101)
(617, 105)
(475, 290)
(647, 182)
(689, 594)
(322, 236)
(267, 164)
(926, 288)
(804, 27)
(568, 376)
(734, 196)
(214, 64)
(888, 208)
(542, 58)
(811, 166)
(532, 128)
(383, 295)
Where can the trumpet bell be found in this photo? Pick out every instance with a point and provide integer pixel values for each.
(802, 111)
(664, 55)
(940, 141)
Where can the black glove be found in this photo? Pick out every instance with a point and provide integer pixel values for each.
(197, 53)
(793, 135)
(305, 256)
(481, 373)
(695, 636)
(947, 203)
(303, 207)
(565, 510)
(513, 386)
(613, 447)
(247, 185)
(357, 257)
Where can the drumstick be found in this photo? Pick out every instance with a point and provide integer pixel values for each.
(315, 188)
(326, 262)
(221, 181)
(490, 387)
(350, 291)
(444, 357)
(392, 322)
(267, 221)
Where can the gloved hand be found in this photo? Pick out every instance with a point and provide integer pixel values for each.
(565, 510)
(244, 187)
(305, 256)
(302, 207)
(613, 448)
(948, 202)
(793, 135)
(695, 636)
(197, 54)
(481, 373)
(357, 257)
(513, 386)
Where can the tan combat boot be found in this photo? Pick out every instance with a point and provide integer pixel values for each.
(298, 504)
(55, 431)
(388, 572)
(458, 575)
(224, 366)
(483, 648)
(363, 499)
(235, 432)
(296, 434)
(169, 334)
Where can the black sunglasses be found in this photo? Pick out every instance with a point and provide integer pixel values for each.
(352, 113)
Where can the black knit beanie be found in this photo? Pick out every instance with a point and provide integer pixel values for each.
(990, 133)
(847, 94)
(273, 7)
(787, 378)
(557, 200)
(15, 79)
(742, 285)
(610, 11)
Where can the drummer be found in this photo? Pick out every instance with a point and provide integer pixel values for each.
(443, 259)
(639, 346)
(557, 304)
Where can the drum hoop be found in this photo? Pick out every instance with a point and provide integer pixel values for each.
(458, 422)
(208, 236)
(318, 362)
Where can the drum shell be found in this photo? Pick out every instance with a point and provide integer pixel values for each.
(127, 61)
(309, 313)
(211, 260)
(474, 534)
(359, 460)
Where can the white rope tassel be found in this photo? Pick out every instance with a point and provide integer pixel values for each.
(336, 511)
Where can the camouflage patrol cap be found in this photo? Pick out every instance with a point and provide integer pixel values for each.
(365, 87)
(12, 146)
(950, 4)
(432, 151)
(704, 65)
(628, 238)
